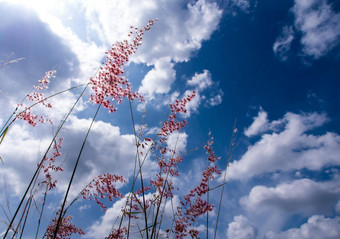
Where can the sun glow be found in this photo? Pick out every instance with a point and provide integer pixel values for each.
(39, 6)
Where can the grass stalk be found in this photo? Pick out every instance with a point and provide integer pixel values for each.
(41, 212)
(26, 216)
(162, 192)
(73, 173)
(232, 141)
(140, 170)
(208, 211)
(9, 122)
(43, 158)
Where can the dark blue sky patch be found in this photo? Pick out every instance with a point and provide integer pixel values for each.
(24, 34)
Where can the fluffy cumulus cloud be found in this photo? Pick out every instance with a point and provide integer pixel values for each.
(283, 42)
(304, 196)
(102, 227)
(159, 79)
(106, 148)
(201, 81)
(259, 125)
(20, 155)
(288, 146)
(179, 32)
(174, 39)
(316, 227)
(241, 228)
(178, 142)
(319, 25)
(207, 91)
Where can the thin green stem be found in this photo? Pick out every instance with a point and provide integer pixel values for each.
(24, 225)
(162, 192)
(72, 176)
(129, 223)
(140, 170)
(41, 212)
(225, 174)
(43, 158)
(208, 211)
(58, 93)
(21, 218)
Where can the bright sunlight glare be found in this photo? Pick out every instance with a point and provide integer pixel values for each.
(40, 6)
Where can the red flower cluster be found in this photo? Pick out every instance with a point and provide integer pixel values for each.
(118, 234)
(101, 186)
(110, 84)
(193, 233)
(193, 203)
(66, 228)
(172, 124)
(51, 166)
(39, 98)
(134, 204)
(32, 118)
(43, 82)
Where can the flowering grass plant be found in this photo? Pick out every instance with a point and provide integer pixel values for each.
(143, 210)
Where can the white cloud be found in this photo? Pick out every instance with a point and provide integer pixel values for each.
(241, 228)
(180, 31)
(159, 79)
(303, 196)
(290, 148)
(201, 81)
(106, 150)
(244, 5)
(216, 100)
(259, 125)
(316, 227)
(20, 151)
(102, 227)
(283, 42)
(56, 16)
(192, 106)
(177, 141)
(319, 24)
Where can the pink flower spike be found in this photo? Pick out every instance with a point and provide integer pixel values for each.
(110, 84)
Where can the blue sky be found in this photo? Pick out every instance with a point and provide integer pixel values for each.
(272, 65)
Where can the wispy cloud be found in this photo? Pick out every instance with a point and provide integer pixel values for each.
(244, 5)
(283, 43)
(319, 24)
(201, 81)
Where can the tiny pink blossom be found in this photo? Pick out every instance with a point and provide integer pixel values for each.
(101, 186)
(66, 228)
(110, 84)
